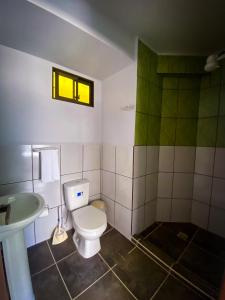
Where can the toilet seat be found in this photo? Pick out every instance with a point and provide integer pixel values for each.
(89, 219)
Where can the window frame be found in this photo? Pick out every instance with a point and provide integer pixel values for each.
(76, 79)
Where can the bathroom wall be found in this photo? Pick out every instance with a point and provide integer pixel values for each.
(190, 138)
(118, 107)
(28, 114)
(208, 207)
(19, 172)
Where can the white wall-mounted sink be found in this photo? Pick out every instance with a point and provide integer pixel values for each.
(16, 212)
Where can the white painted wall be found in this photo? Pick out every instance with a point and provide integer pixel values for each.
(28, 114)
(118, 91)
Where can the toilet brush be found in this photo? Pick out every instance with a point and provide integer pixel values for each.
(60, 234)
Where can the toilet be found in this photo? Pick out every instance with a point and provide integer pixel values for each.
(89, 222)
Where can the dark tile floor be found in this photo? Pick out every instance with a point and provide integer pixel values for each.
(121, 271)
(187, 252)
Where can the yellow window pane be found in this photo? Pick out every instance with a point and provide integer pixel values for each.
(65, 87)
(53, 85)
(83, 93)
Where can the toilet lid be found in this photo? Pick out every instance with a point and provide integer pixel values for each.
(89, 218)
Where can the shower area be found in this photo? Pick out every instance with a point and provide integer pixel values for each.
(180, 154)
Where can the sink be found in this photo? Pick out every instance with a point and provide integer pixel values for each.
(16, 212)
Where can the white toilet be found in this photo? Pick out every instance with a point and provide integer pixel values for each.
(89, 222)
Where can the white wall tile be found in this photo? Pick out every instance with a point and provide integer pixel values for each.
(217, 221)
(71, 158)
(109, 158)
(37, 157)
(95, 197)
(150, 213)
(91, 157)
(124, 160)
(94, 179)
(67, 223)
(124, 191)
(138, 192)
(183, 185)
(14, 188)
(166, 158)
(218, 192)
(108, 184)
(163, 210)
(219, 169)
(123, 220)
(165, 182)
(151, 187)
(45, 226)
(110, 210)
(152, 159)
(138, 218)
(200, 214)
(181, 210)
(184, 159)
(49, 191)
(16, 163)
(204, 160)
(140, 161)
(29, 235)
(202, 188)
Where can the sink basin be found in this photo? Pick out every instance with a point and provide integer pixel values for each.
(16, 212)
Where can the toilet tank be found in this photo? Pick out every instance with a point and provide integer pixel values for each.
(76, 193)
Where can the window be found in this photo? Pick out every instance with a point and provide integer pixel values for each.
(72, 88)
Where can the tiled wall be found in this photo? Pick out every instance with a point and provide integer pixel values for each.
(19, 172)
(208, 207)
(149, 94)
(129, 186)
(190, 113)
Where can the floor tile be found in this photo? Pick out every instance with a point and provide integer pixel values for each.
(187, 228)
(109, 227)
(203, 269)
(78, 272)
(39, 257)
(165, 244)
(61, 250)
(210, 242)
(140, 274)
(113, 246)
(48, 285)
(107, 288)
(147, 231)
(176, 290)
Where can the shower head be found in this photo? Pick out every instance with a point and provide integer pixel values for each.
(212, 62)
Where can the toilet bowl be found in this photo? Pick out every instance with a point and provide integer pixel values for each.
(89, 222)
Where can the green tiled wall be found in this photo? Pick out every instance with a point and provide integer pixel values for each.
(180, 106)
(179, 113)
(149, 94)
(211, 118)
(180, 64)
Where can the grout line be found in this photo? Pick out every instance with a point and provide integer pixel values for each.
(159, 225)
(42, 270)
(191, 284)
(185, 249)
(61, 259)
(159, 287)
(135, 247)
(124, 285)
(77, 296)
(59, 272)
(109, 230)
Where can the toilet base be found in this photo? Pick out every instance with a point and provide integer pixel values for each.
(86, 248)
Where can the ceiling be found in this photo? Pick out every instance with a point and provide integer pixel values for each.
(27, 27)
(170, 26)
